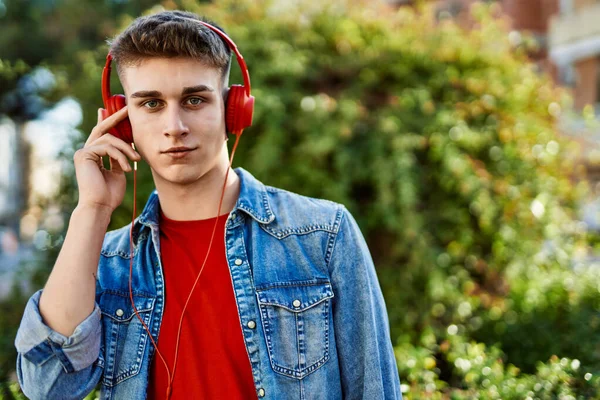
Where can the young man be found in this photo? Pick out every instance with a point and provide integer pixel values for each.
(287, 304)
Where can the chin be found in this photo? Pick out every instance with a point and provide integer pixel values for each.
(178, 176)
(183, 179)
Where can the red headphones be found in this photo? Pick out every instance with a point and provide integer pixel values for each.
(238, 109)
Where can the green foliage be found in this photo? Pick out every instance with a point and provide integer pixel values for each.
(443, 144)
(457, 369)
(10, 73)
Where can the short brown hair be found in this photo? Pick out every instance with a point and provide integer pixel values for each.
(171, 34)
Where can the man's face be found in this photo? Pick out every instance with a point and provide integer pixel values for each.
(176, 103)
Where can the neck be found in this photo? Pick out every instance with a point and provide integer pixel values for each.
(199, 200)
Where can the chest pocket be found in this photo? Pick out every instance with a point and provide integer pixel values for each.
(297, 325)
(125, 338)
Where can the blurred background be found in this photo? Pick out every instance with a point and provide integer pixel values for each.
(462, 135)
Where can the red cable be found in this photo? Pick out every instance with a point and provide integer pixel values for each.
(170, 376)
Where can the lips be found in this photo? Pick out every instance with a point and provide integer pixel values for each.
(179, 149)
(179, 152)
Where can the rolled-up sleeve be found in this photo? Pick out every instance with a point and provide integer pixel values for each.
(48, 360)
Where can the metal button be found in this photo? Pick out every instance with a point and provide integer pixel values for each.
(251, 324)
(238, 261)
(119, 313)
(232, 216)
(296, 303)
(261, 392)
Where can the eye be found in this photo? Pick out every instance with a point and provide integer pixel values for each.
(151, 104)
(195, 101)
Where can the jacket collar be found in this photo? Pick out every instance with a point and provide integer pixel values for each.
(253, 200)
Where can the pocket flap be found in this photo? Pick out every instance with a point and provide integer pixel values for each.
(295, 298)
(117, 305)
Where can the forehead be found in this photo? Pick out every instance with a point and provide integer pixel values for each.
(169, 75)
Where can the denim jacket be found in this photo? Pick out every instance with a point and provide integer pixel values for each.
(310, 307)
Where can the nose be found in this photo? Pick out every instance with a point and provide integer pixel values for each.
(175, 124)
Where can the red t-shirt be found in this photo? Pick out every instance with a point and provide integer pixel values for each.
(213, 362)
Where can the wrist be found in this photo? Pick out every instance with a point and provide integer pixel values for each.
(97, 213)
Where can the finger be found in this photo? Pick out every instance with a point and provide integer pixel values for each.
(114, 119)
(100, 160)
(107, 123)
(115, 166)
(118, 161)
(120, 144)
(93, 134)
(94, 153)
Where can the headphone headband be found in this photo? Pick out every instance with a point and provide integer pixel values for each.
(232, 46)
(238, 55)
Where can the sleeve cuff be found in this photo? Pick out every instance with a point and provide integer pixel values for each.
(38, 343)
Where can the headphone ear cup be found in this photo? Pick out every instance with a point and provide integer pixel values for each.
(123, 129)
(239, 110)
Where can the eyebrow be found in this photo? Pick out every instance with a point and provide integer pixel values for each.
(196, 89)
(186, 90)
